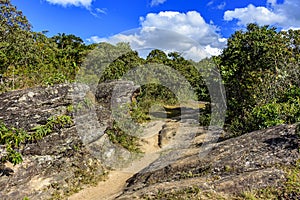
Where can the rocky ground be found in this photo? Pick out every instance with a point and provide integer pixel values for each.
(177, 162)
(247, 163)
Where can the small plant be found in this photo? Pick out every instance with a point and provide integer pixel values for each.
(13, 138)
(289, 190)
(70, 108)
(52, 123)
(118, 136)
(12, 156)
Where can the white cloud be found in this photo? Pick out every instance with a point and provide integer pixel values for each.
(260, 15)
(95, 39)
(221, 6)
(213, 51)
(157, 2)
(290, 10)
(187, 33)
(84, 3)
(190, 24)
(101, 10)
(284, 15)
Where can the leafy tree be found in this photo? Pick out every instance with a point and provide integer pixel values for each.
(15, 37)
(121, 66)
(72, 48)
(258, 67)
(29, 58)
(157, 56)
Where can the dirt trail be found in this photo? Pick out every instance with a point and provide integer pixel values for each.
(116, 181)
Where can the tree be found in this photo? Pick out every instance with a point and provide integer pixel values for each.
(157, 56)
(15, 37)
(256, 70)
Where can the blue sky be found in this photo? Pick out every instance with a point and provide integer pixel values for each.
(209, 22)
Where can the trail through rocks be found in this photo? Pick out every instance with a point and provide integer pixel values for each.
(158, 137)
(116, 180)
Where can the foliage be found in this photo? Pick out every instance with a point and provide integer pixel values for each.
(260, 70)
(29, 58)
(140, 111)
(121, 66)
(53, 123)
(14, 139)
(162, 73)
(15, 37)
(97, 61)
(118, 136)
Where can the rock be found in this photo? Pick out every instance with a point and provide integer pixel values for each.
(167, 133)
(81, 153)
(69, 157)
(252, 161)
(31, 107)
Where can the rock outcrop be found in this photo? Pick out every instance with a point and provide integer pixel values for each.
(69, 157)
(247, 163)
(81, 153)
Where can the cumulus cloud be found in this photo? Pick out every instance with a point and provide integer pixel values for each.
(285, 15)
(260, 15)
(95, 39)
(187, 33)
(84, 3)
(190, 24)
(290, 10)
(157, 2)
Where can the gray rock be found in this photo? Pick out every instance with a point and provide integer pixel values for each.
(63, 161)
(252, 161)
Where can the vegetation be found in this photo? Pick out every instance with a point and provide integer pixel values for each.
(12, 138)
(15, 139)
(260, 70)
(118, 136)
(164, 79)
(29, 58)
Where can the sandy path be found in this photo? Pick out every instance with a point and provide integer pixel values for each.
(108, 189)
(116, 181)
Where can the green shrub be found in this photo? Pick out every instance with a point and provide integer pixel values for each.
(276, 113)
(118, 136)
(52, 124)
(14, 138)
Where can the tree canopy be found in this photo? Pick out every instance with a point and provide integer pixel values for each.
(259, 67)
(29, 58)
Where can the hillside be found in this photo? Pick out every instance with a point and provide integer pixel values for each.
(172, 165)
(100, 121)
